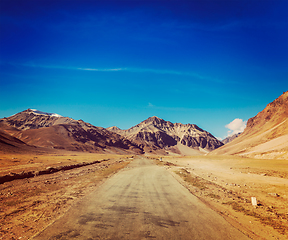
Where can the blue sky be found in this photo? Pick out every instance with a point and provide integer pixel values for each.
(120, 62)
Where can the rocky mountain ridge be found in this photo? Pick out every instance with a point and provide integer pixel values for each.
(155, 133)
(57, 132)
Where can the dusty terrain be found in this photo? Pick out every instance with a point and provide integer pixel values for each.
(28, 205)
(141, 201)
(227, 184)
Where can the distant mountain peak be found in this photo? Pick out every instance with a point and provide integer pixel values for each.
(33, 119)
(231, 138)
(154, 119)
(113, 128)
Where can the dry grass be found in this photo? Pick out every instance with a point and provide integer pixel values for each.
(194, 181)
(213, 195)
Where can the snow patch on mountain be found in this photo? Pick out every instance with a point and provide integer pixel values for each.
(37, 112)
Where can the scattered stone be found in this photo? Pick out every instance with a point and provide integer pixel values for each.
(274, 194)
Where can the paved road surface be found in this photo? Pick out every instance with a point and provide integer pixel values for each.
(143, 201)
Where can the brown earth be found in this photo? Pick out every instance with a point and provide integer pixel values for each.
(226, 184)
(29, 205)
(9, 143)
(141, 201)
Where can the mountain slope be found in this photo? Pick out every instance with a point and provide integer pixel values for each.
(53, 131)
(156, 134)
(266, 134)
(11, 144)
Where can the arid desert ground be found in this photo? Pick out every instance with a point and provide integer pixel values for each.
(223, 183)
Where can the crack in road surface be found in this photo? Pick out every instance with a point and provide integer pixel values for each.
(142, 201)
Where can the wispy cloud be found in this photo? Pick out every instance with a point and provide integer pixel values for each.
(127, 69)
(102, 69)
(72, 68)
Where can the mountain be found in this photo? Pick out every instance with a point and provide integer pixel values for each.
(230, 138)
(154, 135)
(34, 119)
(160, 136)
(266, 134)
(54, 131)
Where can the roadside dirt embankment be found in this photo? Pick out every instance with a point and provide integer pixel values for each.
(226, 184)
(13, 176)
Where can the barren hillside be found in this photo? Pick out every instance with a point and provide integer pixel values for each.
(56, 132)
(266, 134)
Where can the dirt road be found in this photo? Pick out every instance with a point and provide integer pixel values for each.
(141, 201)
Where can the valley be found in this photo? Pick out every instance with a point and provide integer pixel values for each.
(50, 164)
(136, 120)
